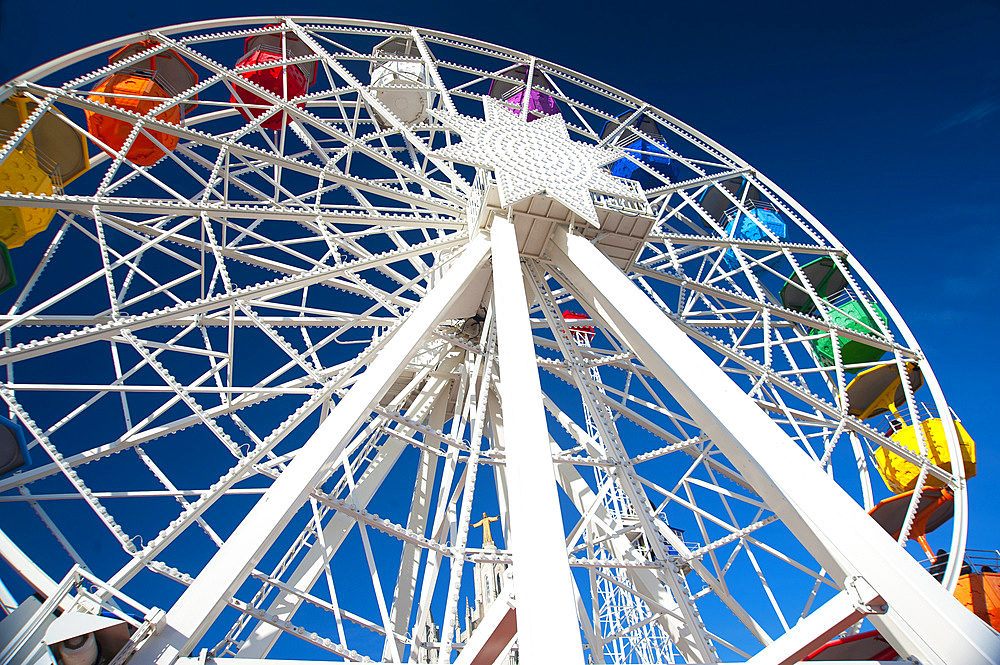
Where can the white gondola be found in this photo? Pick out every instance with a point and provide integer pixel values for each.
(400, 80)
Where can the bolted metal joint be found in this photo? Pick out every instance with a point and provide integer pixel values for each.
(866, 599)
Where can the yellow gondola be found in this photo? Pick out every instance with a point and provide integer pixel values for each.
(900, 475)
(878, 391)
(51, 154)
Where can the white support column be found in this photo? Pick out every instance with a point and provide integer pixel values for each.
(195, 610)
(548, 631)
(499, 473)
(923, 619)
(409, 561)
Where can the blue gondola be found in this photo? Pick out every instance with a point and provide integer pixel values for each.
(652, 153)
(13, 447)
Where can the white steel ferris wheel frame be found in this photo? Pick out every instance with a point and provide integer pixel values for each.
(418, 244)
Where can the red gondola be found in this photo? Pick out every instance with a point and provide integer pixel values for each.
(283, 81)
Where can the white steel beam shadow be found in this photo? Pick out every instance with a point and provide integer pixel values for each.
(202, 602)
(548, 630)
(923, 619)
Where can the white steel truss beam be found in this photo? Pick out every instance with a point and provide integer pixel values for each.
(259, 642)
(923, 619)
(84, 205)
(194, 611)
(255, 155)
(266, 290)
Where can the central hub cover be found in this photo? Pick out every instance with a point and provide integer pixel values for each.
(543, 177)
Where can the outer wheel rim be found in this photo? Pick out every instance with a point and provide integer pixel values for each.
(751, 281)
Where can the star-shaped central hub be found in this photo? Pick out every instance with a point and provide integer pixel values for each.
(533, 158)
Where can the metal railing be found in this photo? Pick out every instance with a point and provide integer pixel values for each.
(975, 562)
(847, 295)
(922, 412)
(749, 206)
(983, 561)
(80, 591)
(635, 204)
(48, 165)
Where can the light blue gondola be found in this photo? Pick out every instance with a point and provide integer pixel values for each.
(741, 226)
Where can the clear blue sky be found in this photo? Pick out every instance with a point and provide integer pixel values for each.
(883, 119)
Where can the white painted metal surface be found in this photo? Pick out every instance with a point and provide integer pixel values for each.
(621, 612)
(295, 379)
(548, 630)
(922, 617)
(328, 448)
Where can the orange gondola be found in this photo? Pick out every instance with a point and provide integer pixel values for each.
(978, 589)
(140, 88)
(935, 507)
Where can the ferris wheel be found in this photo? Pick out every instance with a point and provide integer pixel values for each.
(297, 299)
